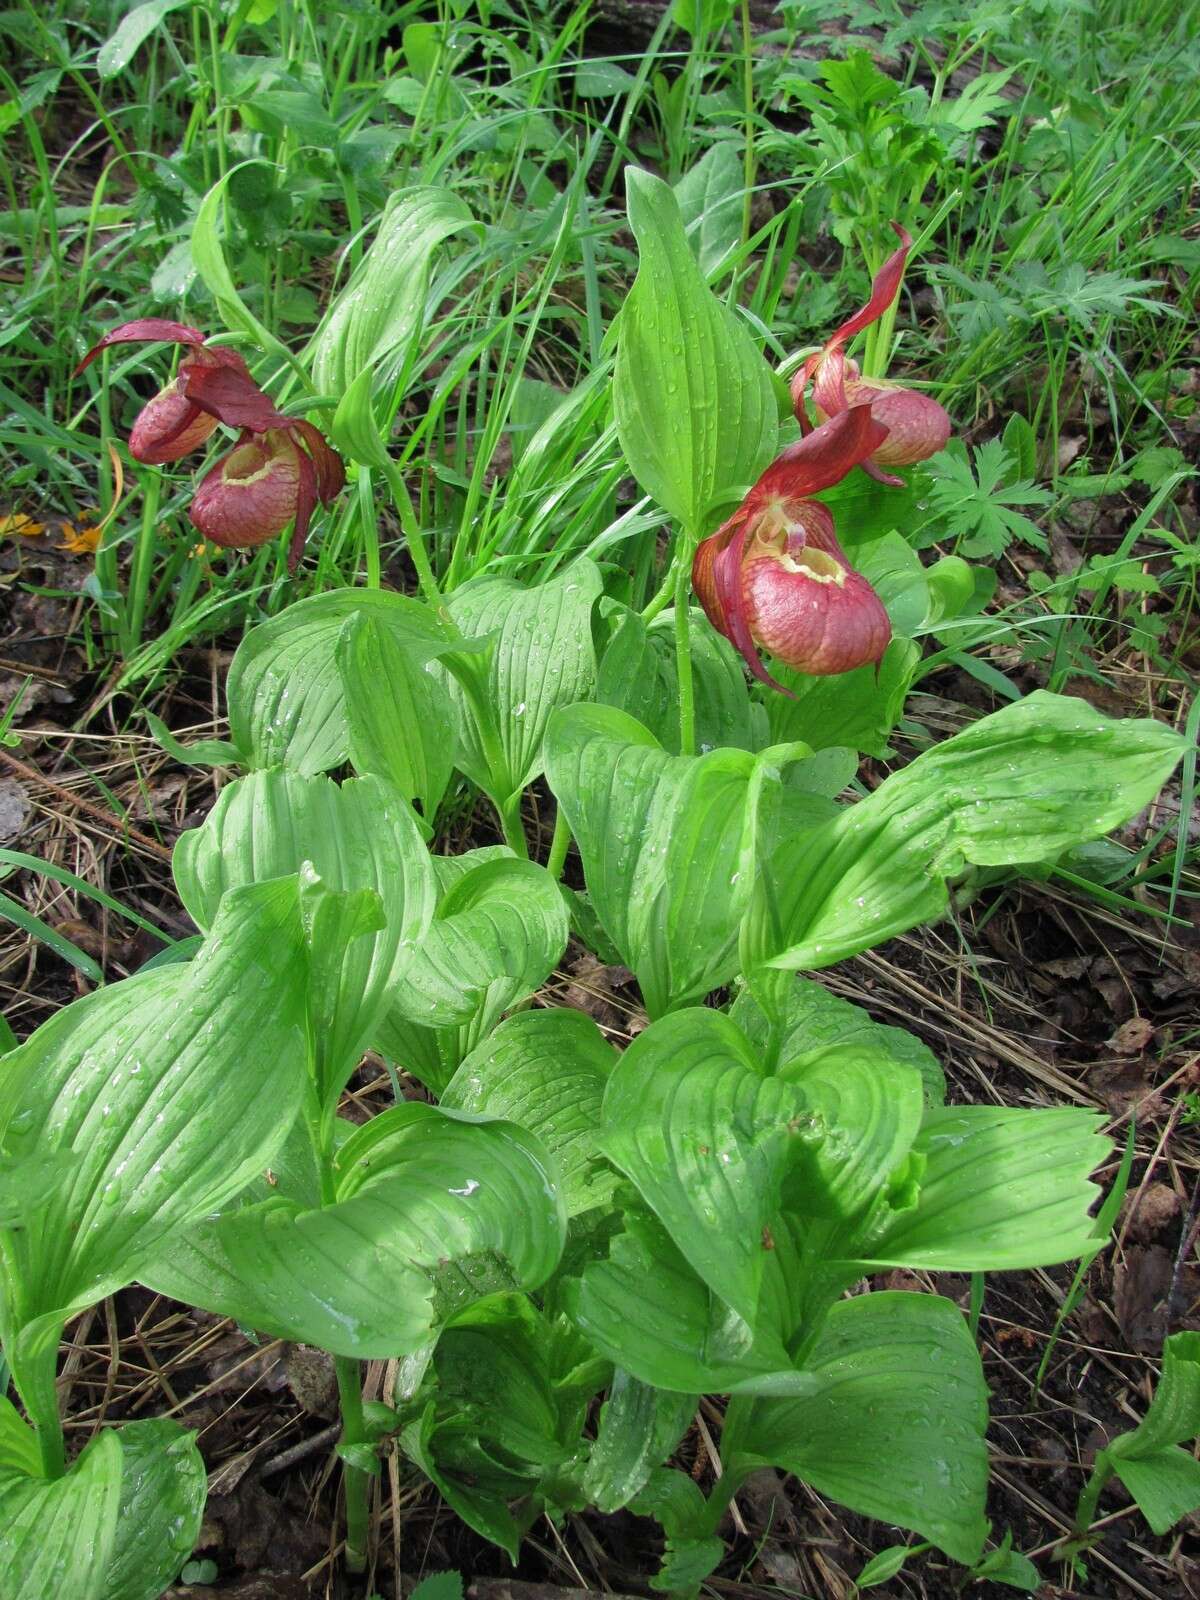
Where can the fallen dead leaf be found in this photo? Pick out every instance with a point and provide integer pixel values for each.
(1132, 1037)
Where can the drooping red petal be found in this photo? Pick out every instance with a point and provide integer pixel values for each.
(232, 396)
(252, 492)
(169, 427)
(729, 579)
(885, 286)
(144, 330)
(331, 471)
(306, 499)
(820, 460)
(799, 386)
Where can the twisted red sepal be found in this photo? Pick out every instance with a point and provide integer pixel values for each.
(143, 331)
(232, 396)
(885, 286)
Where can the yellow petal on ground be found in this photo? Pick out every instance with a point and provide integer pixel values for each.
(80, 541)
(20, 526)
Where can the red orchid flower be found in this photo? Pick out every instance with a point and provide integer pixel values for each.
(775, 575)
(170, 426)
(917, 426)
(276, 472)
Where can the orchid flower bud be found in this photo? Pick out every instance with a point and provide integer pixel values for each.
(918, 426)
(775, 575)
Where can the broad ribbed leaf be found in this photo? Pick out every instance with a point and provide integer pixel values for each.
(1001, 1189)
(638, 675)
(398, 715)
(1164, 1483)
(711, 195)
(163, 1488)
(706, 1137)
(1022, 785)
(695, 404)
(669, 845)
(287, 703)
(1174, 1414)
(646, 1310)
(433, 1211)
(57, 1536)
(542, 658)
(895, 1426)
(638, 1430)
(381, 310)
(816, 1022)
(19, 1452)
(360, 835)
(858, 708)
(498, 930)
(546, 1071)
(174, 1089)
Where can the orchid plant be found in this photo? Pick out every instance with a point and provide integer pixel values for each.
(540, 1223)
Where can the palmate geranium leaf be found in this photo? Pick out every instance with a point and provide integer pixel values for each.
(286, 689)
(1000, 1189)
(358, 836)
(163, 1489)
(695, 404)
(432, 1211)
(546, 1071)
(174, 1089)
(1020, 786)
(57, 1536)
(894, 1424)
(541, 657)
(669, 844)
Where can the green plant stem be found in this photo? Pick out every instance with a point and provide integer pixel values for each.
(354, 1479)
(514, 830)
(748, 172)
(683, 653)
(1085, 1511)
(559, 845)
(414, 535)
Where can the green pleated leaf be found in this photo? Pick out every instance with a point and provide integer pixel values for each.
(1020, 786)
(398, 715)
(858, 708)
(546, 1071)
(691, 1551)
(374, 319)
(542, 658)
(710, 196)
(816, 1022)
(638, 675)
(894, 1427)
(432, 1213)
(497, 932)
(669, 845)
(639, 1428)
(208, 257)
(174, 1089)
(695, 404)
(163, 1489)
(691, 1119)
(19, 1452)
(1165, 1483)
(358, 836)
(287, 699)
(1001, 1189)
(1174, 1414)
(646, 1310)
(57, 1536)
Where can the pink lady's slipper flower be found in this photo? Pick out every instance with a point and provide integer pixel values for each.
(276, 472)
(170, 426)
(775, 575)
(917, 426)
